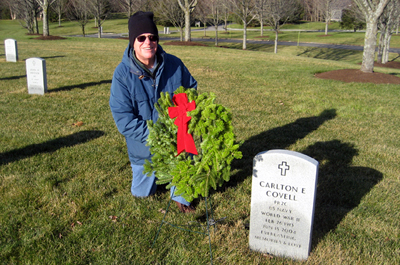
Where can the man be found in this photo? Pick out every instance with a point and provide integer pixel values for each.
(145, 71)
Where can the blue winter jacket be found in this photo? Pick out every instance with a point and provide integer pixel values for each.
(134, 93)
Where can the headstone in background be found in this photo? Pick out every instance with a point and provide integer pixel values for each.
(282, 203)
(36, 76)
(166, 30)
(11, 50)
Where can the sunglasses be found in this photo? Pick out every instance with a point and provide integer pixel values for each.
(143, 38)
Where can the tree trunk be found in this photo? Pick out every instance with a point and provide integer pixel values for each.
(326, 27)
(244, 35)
(99, 30)
(381, 45)
(35, 22)
(187, 8)
(385, 54)
(369, 47)
(276, 41)
(187, 25)
(216, 34)
(45, 8)
(372, 11)
(181, 33)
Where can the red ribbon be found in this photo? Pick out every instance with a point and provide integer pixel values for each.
(184, 139)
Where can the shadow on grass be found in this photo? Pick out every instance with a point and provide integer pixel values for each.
(48, 57)
(81, 86)
(52, 57)
(49, 146)
(277, 138)
(13, 77)
(340, 185)
(328, 54)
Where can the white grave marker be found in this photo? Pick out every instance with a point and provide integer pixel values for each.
(36, 76)
(11, 50)
(282, 203)
(166, 30)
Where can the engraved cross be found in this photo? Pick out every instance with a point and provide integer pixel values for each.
(283, 167)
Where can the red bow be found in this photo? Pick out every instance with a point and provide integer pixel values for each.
(184, 139)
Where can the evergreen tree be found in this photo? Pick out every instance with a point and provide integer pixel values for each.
(350, 20)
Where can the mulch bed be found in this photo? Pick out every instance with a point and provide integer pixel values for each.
(49, 38)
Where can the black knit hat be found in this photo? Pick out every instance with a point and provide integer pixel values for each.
(139, 23)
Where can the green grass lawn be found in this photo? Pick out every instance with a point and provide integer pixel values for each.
(65, 189)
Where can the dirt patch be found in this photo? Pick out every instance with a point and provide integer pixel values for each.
(395, 65)
(49, 38)
(356, 75)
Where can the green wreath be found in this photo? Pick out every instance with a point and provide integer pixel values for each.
(211, 128)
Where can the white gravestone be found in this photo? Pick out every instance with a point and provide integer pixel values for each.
(36, 76)
(166, 30)
(282, 203)
(11, 50)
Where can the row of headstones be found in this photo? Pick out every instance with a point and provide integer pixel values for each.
(282, 194)
(35, 68)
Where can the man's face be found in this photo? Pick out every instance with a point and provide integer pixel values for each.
(145, 47)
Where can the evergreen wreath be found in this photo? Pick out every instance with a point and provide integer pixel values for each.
(211, 128)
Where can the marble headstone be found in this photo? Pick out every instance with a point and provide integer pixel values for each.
(11, 50)
(36, 76)
(282, 203)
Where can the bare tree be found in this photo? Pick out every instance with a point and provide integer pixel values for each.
(215, 10)
(131, 6)
(170, 11)
(372, 10)
(44, 4)
(328, 7)
(11, 5)
(244, 9)
(260, 10)
(59, 6)
(100, 10)
(226, 9)
(126, 6)
(26, 12)
(187, 7)
(312, 11)
(277, 12)
(388, 21)
(325, 7)
(78, 10)
(202, 13)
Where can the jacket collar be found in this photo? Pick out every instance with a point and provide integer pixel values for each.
(136, 67)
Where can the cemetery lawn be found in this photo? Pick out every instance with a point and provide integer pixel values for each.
(65, 176)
